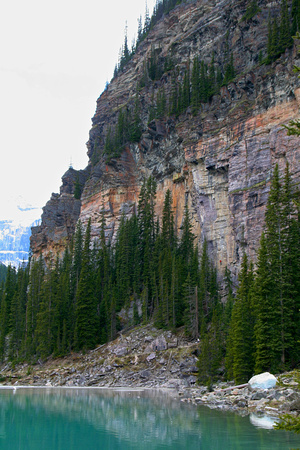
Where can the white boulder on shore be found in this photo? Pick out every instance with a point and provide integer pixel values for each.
(263, 381)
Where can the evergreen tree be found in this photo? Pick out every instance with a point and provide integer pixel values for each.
(264, 332)
(284, 39)
(77, 258)
(168, 227)
(212, 78)
(161, 103)
(277, 293)
(140, 31)
(191, 301)
(3, 273)
(174, 297)
(65, 319)
(211, 350)
(33, 305)
(109, 143)
(6, 316)
(136, 124)
(77, 188)
(187, 238)
(252, 10)
(146, 20)
(86, 330)
(229, 71)
(203, 83)
(229, 301)
(45, 332)
(173, 103)
(239, 350)
(186, 93)
(18, 309)
(195, 86)
(295, 13)
(205, 275)
(279, 36)
(122, 255)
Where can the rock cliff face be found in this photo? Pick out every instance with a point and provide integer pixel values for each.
(59, 218)
(219, 161)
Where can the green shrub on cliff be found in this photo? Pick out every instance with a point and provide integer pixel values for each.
(252, 10)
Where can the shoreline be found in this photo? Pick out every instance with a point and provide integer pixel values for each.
(271, 403)
(148, 359)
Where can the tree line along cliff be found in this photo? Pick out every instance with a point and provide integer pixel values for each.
(187, 152)
(199, 106)
(148, 275)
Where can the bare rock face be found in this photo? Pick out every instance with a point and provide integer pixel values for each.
(220, 160)
(59, 218)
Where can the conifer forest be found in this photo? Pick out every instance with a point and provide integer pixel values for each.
(74, 303)
(157, 272)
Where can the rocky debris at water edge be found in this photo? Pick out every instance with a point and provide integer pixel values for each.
(151, 358)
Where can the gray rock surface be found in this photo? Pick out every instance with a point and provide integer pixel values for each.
(173, 369)
(219, 160)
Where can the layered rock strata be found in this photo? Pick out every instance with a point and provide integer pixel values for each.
(59, 218)
(219, 161)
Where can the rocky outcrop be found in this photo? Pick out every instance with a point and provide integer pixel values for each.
(220, 161)
(59, 218)
(149, 358)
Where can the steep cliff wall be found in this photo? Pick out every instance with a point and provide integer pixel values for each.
(219, 160)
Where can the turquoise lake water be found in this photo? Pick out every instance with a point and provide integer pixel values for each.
(91, 419)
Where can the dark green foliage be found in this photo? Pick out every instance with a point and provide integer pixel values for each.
(252, 10)
(128, 129)
(17, 313)
(77, 188)
(293, 128)
(187, 238)
(280, 33)
(3, 273)
(168, 228)
(45, 325)
(277, 297)
(288, 423)
(135, 127)
(285, 36)
(125, 54)
(34, 298)
(295, 13)
(162, 7)
(206, 80)
(195, 82)
(240, 346)
(229, 71)
(211, 350)
(154, 65)
(229, 300)
(74, 303)
(161, 104)
(6, 313)
(86, 329)
(264, 327)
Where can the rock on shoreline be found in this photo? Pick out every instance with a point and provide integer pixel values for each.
(283, 398)
(149, 358)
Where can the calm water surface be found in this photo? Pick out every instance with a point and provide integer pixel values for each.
(94, 419)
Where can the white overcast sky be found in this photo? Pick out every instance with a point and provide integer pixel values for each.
(56, 57)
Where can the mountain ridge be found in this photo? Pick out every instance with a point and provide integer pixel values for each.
(219, 160)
